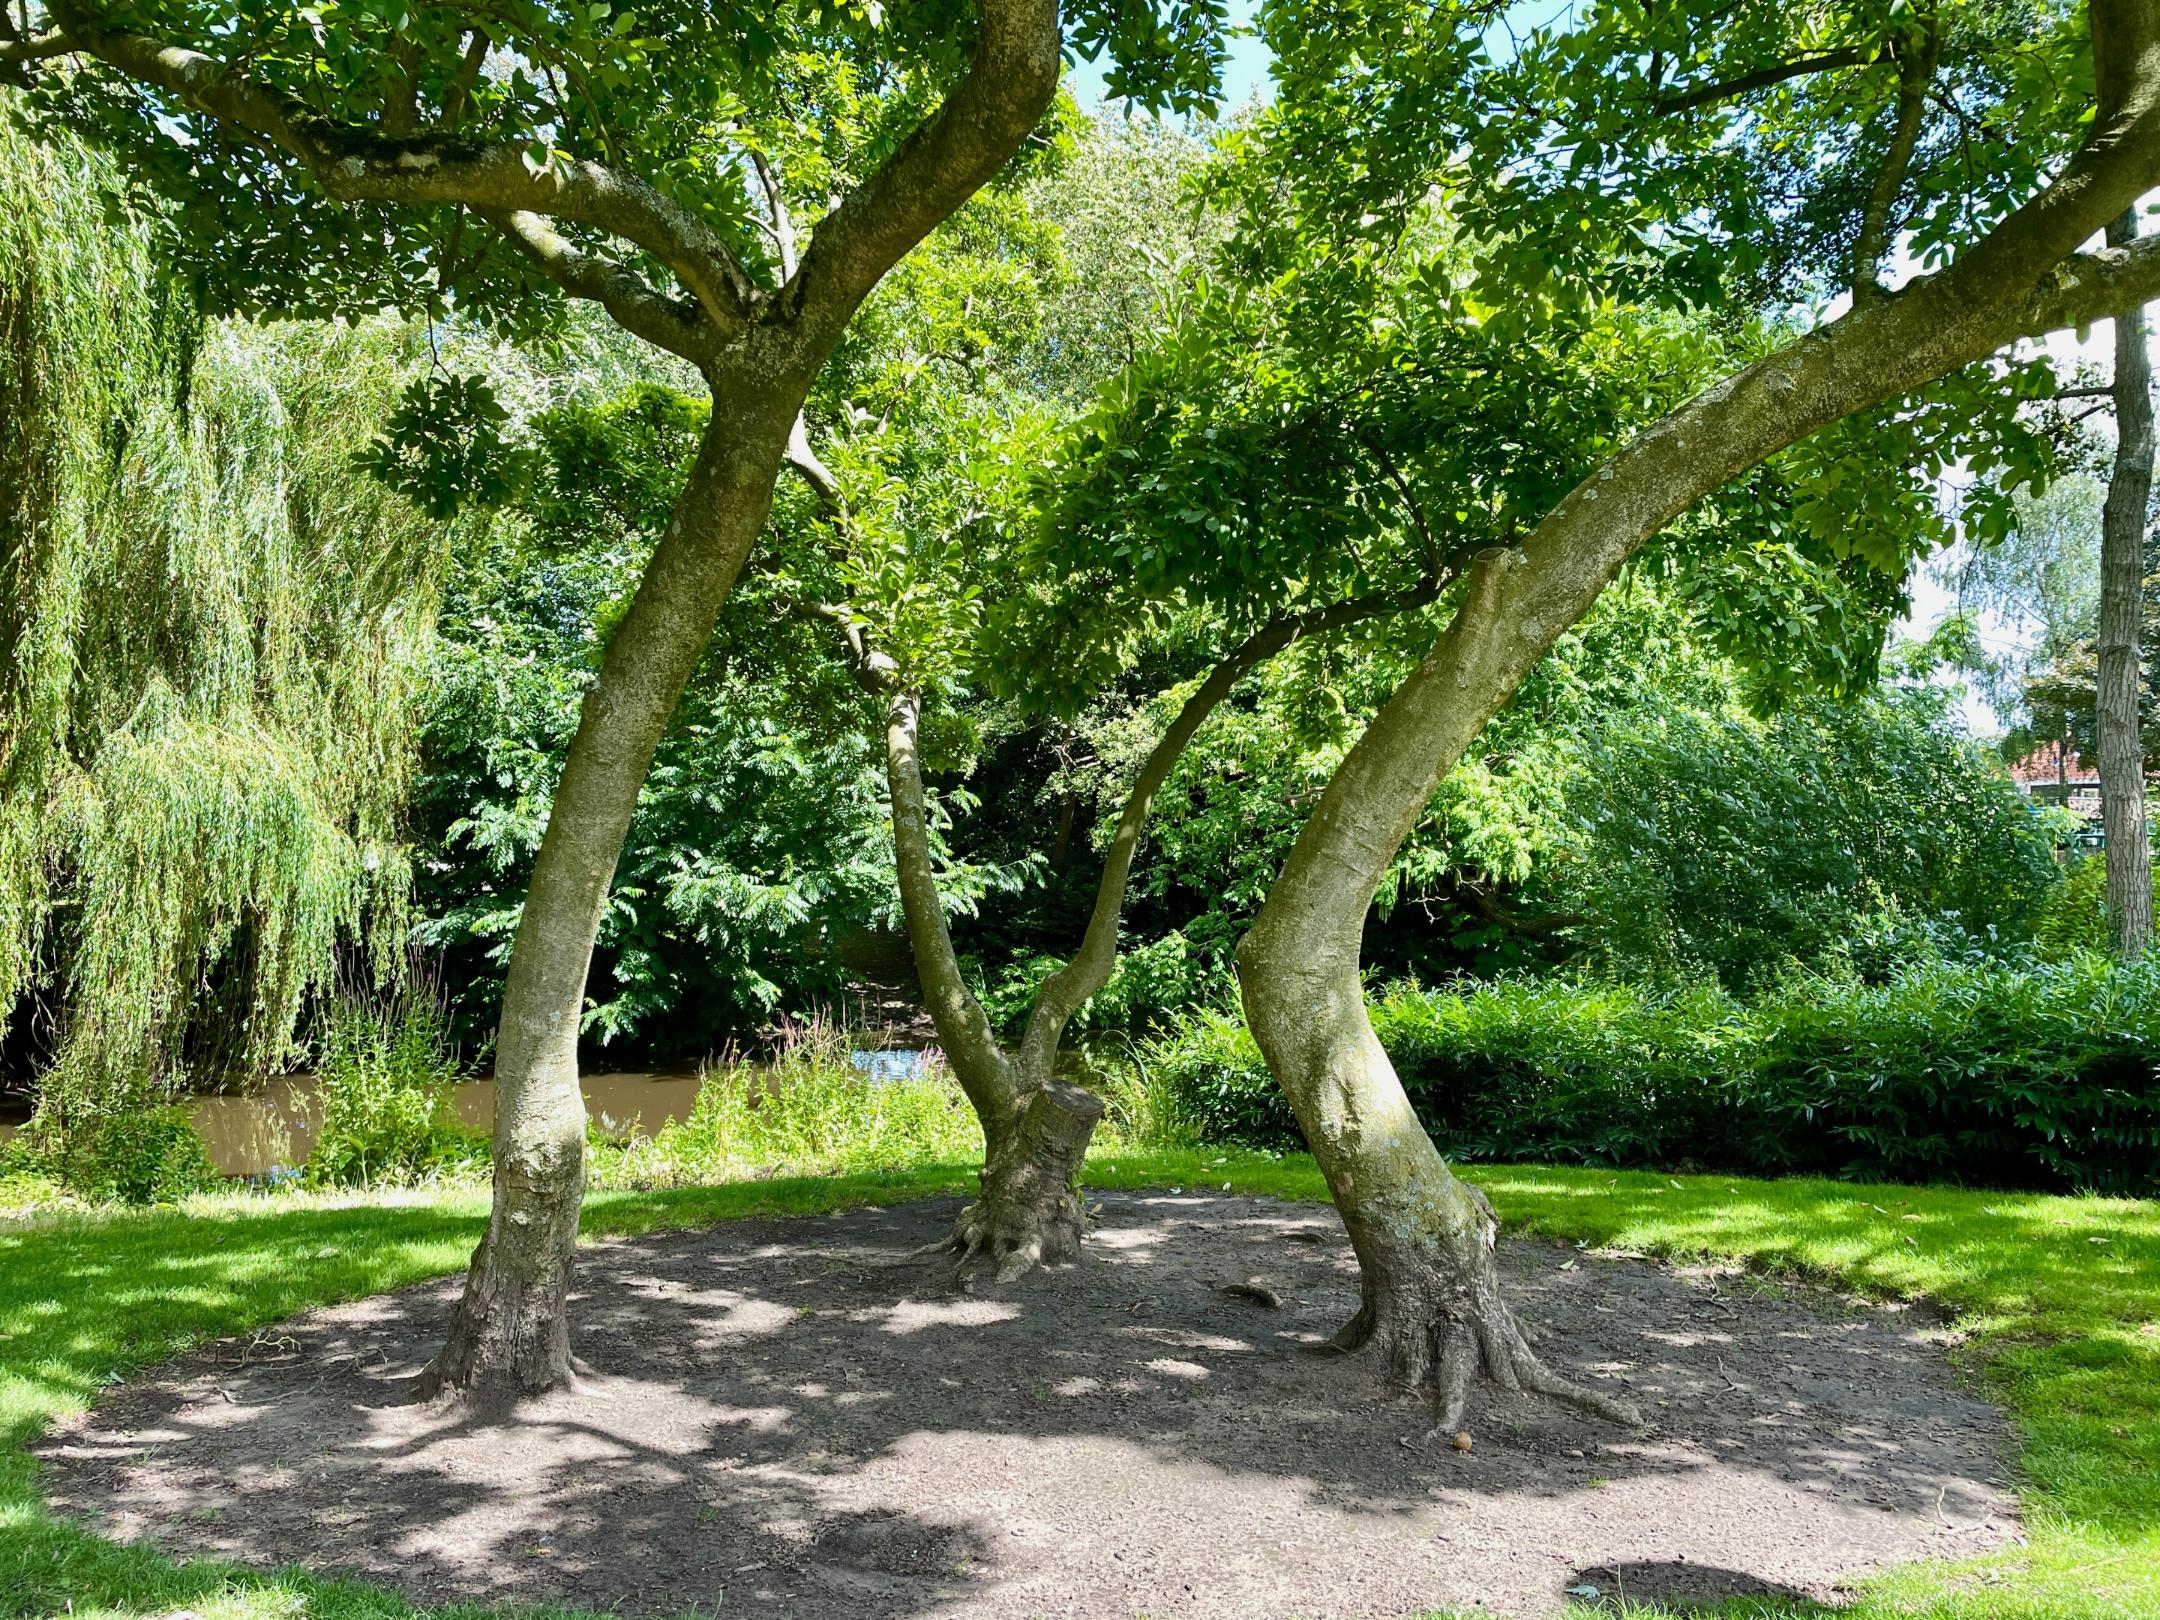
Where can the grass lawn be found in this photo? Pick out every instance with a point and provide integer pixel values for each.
(2059, 1299)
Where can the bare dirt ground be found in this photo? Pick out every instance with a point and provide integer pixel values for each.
(789, 1425)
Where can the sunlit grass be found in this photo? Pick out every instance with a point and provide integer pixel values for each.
(2057, 1299)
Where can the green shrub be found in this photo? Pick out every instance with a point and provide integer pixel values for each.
(385, 1071)
(2075, 916)
(1989, 1074)
(1152, 985)
(146, 1152)
(808, 1109)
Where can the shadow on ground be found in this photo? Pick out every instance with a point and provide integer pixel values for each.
(792, 1424)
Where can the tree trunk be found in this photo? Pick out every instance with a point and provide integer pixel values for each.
(509, 1334)
(1298, 963)
(1035, 1131)
(2122, 605)
(1030, 1213)
(1432, 1312)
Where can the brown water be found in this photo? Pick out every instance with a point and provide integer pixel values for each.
(275, 1125)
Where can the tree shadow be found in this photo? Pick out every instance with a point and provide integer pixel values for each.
(791, 1423)
(1679, 1584)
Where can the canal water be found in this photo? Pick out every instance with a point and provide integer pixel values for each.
(274, 1125)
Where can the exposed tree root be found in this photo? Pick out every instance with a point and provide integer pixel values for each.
(1437, 1320)
(1030, 1212)
(1440, 1353)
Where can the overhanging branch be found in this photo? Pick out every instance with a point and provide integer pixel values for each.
(355, 164)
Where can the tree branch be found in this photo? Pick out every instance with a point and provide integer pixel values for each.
(2094, 286)
(1916, 70)
(632, 301)
(36, 48)
(356, 164)
(1066, 991)
(999, 100)
(477, 46)
(978, 1061)
(783, 223)
(1705, 95)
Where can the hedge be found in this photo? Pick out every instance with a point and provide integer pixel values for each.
(2040, 1076)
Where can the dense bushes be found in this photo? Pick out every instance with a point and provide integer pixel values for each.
(2038, 1076)
(387, 1069)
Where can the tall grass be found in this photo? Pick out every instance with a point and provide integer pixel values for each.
(805, 1109)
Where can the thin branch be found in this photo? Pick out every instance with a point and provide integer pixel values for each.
(783, 223)
(813, 471)
(477, 46)
(1916, 70)
(1068, 989)
(1410, 504)
(1705, 95)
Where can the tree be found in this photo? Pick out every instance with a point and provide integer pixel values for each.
(471, 157)
(931, 529)
(213, 627)
(2124, 523)
(1631, 161)
(715, 918)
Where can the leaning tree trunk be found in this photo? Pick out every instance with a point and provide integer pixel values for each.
(509, 1333)
(1432, 1301)
(1432, 1310)
(1035, 1131)
(2122, 611)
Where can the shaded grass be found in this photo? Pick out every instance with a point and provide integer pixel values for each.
(2063, 1329)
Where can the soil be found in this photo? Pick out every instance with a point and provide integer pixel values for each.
(787, 1422)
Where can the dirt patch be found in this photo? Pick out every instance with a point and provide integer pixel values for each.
(789, 1425)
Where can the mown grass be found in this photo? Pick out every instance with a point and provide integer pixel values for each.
(2058, 1300)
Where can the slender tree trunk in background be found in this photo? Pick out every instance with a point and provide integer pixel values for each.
(1035, 1127)
(509, 1333)
(2122, 611)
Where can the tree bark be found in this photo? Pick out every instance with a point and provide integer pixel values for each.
(1432, 1303)
(2122, 611)
(508, 1334)
(1035, 1130)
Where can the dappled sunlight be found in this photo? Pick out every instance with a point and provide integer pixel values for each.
(765, 1407)
(2090, 1397)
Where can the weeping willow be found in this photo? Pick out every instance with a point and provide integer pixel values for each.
(211, 630)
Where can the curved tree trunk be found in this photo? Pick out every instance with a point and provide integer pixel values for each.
(1036, 1130)
(2122, 611)
(1432, 1302)
(508, 1334)
(1035, 1133)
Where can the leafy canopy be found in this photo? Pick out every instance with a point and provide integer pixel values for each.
(352, 154)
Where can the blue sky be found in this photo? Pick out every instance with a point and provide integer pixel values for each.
(1244, 72)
